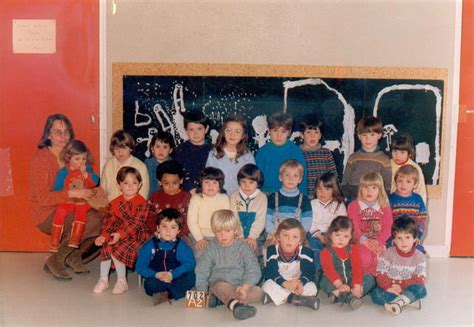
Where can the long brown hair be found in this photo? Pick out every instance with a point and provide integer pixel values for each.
(220, 142)
(45, 141)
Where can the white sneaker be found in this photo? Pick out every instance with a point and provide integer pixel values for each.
(101, 286)
(121, 286)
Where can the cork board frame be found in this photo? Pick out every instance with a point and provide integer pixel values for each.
(119, 70)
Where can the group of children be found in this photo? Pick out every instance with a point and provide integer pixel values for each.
(216, 217)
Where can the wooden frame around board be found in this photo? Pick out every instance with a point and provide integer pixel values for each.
(119, 70)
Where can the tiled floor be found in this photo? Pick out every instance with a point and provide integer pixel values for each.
(31, 297)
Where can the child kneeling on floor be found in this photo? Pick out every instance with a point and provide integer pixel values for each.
(228, 268)
(167, 263)
(401, 270)
(289, 268)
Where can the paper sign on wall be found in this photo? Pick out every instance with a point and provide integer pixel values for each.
(34, 36)
(6, 180)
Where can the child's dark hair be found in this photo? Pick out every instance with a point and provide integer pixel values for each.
(163, 137)
(75, 147)
(252, 172)
(291, 223)
(340, 223)
(45, 141)
(370, 124)
(241, 146)
(170, 214)
(329, 180)
(312, 121)
(171, 167)
(196, 117)
(121, 139)
(404, 142)
(405, 224)
(214, 174)
(280, 119)
(124, 171)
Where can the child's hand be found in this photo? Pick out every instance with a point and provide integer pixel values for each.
(379, 249)
(292, 285)
(164, 276)
(299, 288)
(99, 240)
(395, 289)
(251, 242)
(201, 245)
(83, 171)
(84, 193)
(357, 291)
(114, 238)
(344, 288)
(242, 292)
(99, 191)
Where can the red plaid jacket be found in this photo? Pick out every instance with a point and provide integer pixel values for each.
(128, 218)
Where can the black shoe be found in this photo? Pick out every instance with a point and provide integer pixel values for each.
(160, 297)
(306, 301)
(213, 301)
(354, 302)
(243, 311)
(266, 299)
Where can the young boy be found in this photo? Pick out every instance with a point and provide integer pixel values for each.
(121, 147)
(368, 159)
(192, 154)
(401, 270)
(318, 159)
(170, 176)
(270, 157)
(403, 153)
(166, 263)
(288, 202)
(161, 146)
(229, 269)
(405, 202)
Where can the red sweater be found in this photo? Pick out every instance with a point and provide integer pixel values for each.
(160, 200)
(330, 271)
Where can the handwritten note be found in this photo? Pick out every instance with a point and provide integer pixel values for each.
(34, 36)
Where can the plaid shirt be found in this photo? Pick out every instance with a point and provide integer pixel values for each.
(128, 218)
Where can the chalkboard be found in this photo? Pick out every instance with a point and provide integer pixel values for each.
(408, 104)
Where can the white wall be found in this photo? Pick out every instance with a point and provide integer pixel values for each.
(323, 33)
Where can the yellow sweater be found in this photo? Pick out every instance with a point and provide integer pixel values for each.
(200, 210)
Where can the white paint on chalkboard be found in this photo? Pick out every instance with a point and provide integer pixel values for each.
(347, 140)
(388, 131)
(151, 131)
(141, 119)
(422, 153)
(214, 134)
(260, 126)
(179, 109)
(163, 119)
(437, 93)
(332, 145)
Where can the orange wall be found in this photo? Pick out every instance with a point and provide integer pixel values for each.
(33, 86)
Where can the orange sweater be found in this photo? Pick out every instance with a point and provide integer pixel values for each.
(43, 169)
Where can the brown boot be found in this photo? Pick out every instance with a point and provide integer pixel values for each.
(75, 263)
(56, 233)
(76, 234)
(89, 251)
(55, 263)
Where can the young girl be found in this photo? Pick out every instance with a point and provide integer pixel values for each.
(329, 204)
(250, 203)
(289, 268)
(230, 152)
(403, 153)
(372, 219)
(77, 174)
(229, 270)
(343, 278)
(123, 232)
(161, 146)
(210, 196)
(121, 147)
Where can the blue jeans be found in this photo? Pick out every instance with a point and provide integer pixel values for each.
(316, 245)
(414, 292)
(176, 289)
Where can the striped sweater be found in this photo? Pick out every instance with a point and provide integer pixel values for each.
(404, 269)
(318, 162)
(411, 206)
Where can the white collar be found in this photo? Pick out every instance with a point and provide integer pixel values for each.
(364, 206)
(251, 196)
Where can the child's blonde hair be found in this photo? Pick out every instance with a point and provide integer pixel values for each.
(73, 148)
(373, 179)
(292, 164)
(225, 219)
(407, 170)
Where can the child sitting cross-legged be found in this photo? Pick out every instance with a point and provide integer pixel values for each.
(401, 270)
(166, 263)
(289, 268)
(229, 269)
